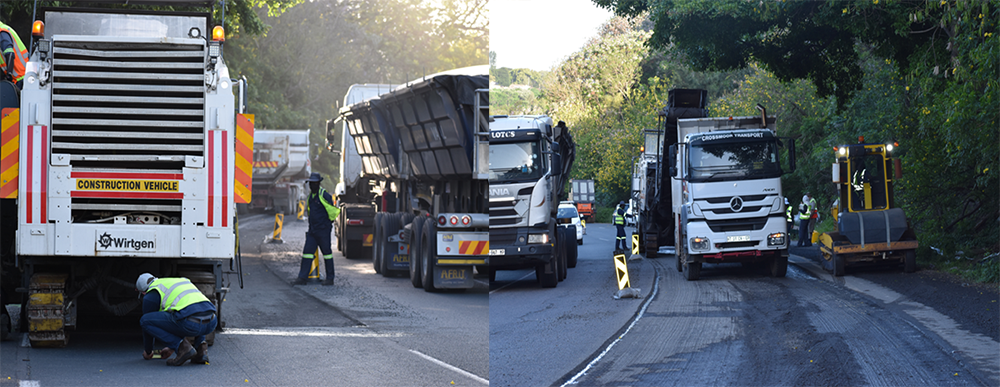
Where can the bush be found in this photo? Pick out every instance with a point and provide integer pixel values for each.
(603, 214)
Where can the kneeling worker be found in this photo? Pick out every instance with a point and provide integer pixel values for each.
(172, 309)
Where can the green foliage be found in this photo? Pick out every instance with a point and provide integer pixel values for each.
(513, 101)
(313, 52)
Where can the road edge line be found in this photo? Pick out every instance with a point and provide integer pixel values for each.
(453, 368)
(642, 311)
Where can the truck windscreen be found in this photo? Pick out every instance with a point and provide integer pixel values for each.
(515, 161)
(733, 160)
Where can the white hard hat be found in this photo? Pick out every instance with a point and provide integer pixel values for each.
(142, 284)
(786, 201)
(805, 199)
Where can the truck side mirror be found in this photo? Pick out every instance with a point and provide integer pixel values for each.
(898, 167)
(556, 159)
(672, 160)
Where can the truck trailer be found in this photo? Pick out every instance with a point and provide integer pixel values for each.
(423, 147)
(583, 196)
(530, 162)
(129, 146)
(355, 228)
(280, 168)
(717, 192)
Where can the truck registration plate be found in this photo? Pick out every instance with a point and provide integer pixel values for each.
(498, 251)
(738, 238)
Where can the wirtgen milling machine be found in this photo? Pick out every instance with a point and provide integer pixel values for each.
(871, 229)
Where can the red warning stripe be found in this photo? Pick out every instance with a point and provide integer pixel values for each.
(473, 247)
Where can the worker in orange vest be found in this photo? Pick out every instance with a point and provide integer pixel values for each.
(15, 55)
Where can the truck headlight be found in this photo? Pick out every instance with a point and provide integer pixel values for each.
(538, 238)
(776, 239)
(699, 243)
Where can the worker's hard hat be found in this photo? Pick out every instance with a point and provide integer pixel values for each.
(315, 177)
(142, 284)
(786, 201)
(805, 198)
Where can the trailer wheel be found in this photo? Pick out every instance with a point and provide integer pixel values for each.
(910, 262)
(390, 226)
(838, 265)
(378, 245)
(779, 266)
(416, 234)
(428, 256)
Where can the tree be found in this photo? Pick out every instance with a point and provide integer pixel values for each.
(798, 39)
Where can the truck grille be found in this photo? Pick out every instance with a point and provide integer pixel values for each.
(127, 108)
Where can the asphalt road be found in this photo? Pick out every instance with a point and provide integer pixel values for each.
(366, 330)
(736, 326)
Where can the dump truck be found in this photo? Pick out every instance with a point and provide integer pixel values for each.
(717, 192)
(583, 196)
(530, 163)
(871, 230)
(423, 147)
(355, 228)
(127, 153)
(280, 167)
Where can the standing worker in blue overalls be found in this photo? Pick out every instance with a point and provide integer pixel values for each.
(322, 212)
(619, 221)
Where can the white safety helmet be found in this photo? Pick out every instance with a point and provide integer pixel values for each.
(786, 201)
(142, 284)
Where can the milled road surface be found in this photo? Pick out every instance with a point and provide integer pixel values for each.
(366, 330)
(736, 326)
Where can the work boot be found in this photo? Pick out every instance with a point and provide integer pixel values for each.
(328, 264)
(303, 272)
(184, 352)
(201, 357)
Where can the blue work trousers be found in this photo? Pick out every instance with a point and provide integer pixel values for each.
(166, 327)
(318, 238)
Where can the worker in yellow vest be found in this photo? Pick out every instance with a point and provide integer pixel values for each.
(322, 212)
(14, 54)
(172, 309)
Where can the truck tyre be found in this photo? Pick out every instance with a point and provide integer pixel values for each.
(573, 253)
(547, 280)
(562, 250)
(838, 265)
(692, 271)
(416, 232)
(910, 262)
(377, 246)
(4, 323)
(779, 266)
(428, 256)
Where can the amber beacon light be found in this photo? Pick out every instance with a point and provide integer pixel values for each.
(218, 34)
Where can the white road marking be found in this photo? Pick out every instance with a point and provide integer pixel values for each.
(515, 281)
(310, 332)
(656, 287)
(453, 368)
(30, 383)
(24, 341)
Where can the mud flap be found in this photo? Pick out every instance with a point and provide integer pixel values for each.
(452, 277)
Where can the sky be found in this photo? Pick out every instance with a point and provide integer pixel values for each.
(538, 34)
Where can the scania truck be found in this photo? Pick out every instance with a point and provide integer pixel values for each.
(530, 162)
